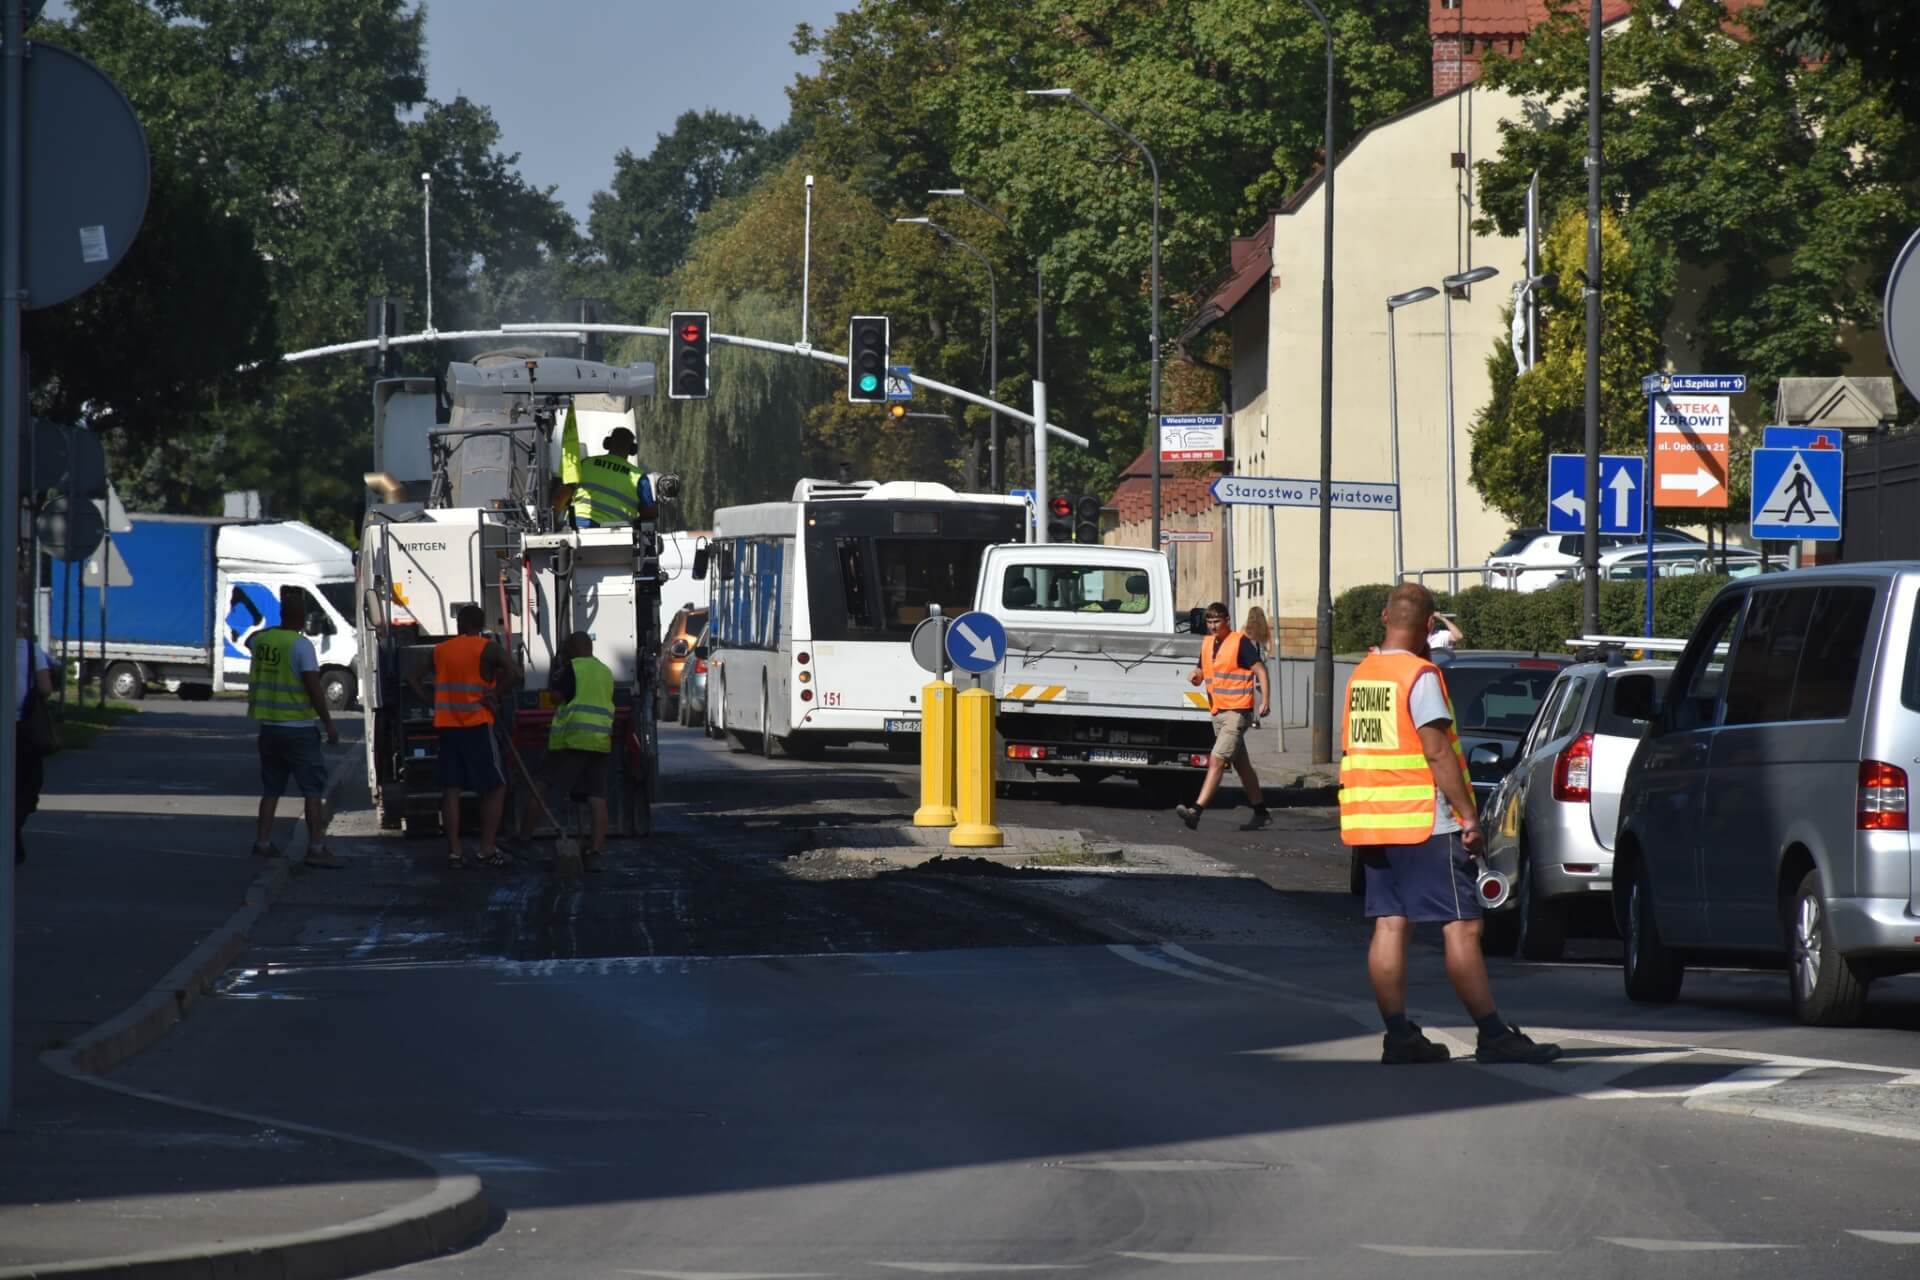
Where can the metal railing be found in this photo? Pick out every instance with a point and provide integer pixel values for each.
(1503, 577)
(1649, 644)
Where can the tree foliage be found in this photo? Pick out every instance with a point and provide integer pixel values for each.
(1543, 411)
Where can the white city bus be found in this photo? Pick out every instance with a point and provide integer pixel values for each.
(814, 601)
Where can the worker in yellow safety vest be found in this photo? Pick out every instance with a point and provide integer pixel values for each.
(607, 488)
(1231, 668)
(284, 695)
(580, 743)
(1407, 806)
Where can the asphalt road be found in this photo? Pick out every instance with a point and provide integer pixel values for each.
(702, 1064)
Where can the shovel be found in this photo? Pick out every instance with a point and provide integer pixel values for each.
(567, 863)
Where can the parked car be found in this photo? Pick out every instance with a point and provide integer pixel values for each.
(1552, 820)
(1766, 812)
(693, 685)
(1533, 559)
(676, 646)
(1495, 695)
(1628, 563)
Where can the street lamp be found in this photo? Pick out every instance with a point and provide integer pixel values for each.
(1323, 599)
(1394, 303)
(1453, 284)
(993, 330)
(1153, 423)
(1039, 311)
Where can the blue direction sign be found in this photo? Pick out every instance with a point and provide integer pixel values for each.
(1269, 491)
(1623, 490)
(976, 642)
(1709, 384)
(1802, 438)
(1796, 494)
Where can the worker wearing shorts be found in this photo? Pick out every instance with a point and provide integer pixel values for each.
(1231, 669)
(471, 675)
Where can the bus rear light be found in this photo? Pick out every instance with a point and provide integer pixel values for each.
(1019, 751)
(802, 659)
(1883, 797)
(806, 695)
(806, 677)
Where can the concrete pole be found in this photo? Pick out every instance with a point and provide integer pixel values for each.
(1590, 545)
(1323, 600)
(13, 396)
(1039, 461)
(1393, 420)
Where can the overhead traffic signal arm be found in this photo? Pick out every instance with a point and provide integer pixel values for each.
(868, 339)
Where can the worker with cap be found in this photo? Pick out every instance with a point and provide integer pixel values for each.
(607, 488)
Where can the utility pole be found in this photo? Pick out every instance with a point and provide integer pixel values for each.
(1590, 544)
(1323, 600)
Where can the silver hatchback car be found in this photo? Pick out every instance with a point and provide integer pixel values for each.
(1552, 821)
(1765, 812)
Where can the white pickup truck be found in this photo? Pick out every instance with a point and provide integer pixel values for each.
(1095, 678)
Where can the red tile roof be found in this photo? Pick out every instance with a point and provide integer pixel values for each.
(1252, 262)
(1505, 17)
(1186, 488)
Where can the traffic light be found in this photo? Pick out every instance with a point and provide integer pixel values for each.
(688, 338)
(587, 311)
(1086, 518)
(867, 359)
(1060, 518)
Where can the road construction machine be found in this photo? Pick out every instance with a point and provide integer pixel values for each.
(460, 511)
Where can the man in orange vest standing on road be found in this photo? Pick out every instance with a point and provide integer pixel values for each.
(1231, 668)
(471, 674)
(1406, 804)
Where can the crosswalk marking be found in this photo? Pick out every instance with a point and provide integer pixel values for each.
(1687, 1246)
(1443, 1251)
(1211, 1259)
(1888, 1237)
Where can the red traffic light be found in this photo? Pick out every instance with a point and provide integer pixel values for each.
(690, 332)
(1060, 505)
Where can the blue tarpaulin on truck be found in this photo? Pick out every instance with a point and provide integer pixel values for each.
(170, 600)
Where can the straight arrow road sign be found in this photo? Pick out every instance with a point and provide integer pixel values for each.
(1623, 479)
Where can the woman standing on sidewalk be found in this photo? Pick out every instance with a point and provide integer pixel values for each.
(33, 674)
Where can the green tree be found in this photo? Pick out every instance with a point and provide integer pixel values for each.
(1543, 411)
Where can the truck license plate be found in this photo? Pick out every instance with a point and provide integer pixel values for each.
(1116, 757)
(903, 726)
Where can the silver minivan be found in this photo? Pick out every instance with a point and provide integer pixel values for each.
(1765, 812)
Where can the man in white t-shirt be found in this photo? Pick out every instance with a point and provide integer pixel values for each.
(1445, 633)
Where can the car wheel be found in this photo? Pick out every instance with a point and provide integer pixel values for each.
(1827, 990)
(1540, 923)
(125, 682)
(336, 686)
(1652, 972)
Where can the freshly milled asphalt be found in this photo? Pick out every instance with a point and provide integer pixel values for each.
(1119, 1108)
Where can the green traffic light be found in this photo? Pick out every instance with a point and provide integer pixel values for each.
(869, 383)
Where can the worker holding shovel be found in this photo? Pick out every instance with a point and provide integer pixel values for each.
(580, 743)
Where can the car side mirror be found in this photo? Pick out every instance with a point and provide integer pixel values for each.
(679, 648)
(1197, 621)
(1636, 698)
(1485, 753)
(726, 564)
(700, 558)
(702, 651)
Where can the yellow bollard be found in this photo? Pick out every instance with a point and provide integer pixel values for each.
(973, 758)
(936, 756)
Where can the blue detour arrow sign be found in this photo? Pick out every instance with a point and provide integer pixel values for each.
(976, 642)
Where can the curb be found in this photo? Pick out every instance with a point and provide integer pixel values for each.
(1811, 1119)
(446, 1218)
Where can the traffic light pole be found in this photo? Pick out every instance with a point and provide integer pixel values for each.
(1039, 462)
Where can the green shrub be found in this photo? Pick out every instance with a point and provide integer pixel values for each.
(1537, 620)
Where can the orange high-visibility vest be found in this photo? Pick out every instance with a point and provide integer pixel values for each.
(1387, 792)
(1229, 685)
(458, 685)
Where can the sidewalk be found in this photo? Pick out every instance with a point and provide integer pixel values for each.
(1290, 777)
(139, 888)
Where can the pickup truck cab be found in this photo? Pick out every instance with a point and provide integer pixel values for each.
(1095, 678)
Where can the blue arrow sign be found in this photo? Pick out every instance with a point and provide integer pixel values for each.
(1623, 491)
(1713, 384)
(1796, 494)
(1802, 438)
(976, 642)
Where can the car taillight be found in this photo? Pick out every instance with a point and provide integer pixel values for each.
(699, 666)
(1883, 797)
(1198, 760)
(1573, 771)
(1019, 751)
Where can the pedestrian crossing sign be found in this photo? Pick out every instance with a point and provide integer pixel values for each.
(1797, 494)
(900, 382)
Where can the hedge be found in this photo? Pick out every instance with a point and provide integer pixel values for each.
(1537, 620)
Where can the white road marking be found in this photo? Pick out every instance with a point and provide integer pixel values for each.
(1888, 1237)
(723, 1275)
(1211, 1259)
(968, 1268)
(1687, 1246)
(1148, 958)
(368, 943)
(1439, 1251)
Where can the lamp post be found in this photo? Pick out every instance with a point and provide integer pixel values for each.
(1590, 544)
(1039, 309)
(1323, 600)
(1453, 284)
(1153, 417)
(993, 331)
(1394, 303)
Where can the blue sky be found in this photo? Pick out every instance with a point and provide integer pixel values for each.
(573, 81)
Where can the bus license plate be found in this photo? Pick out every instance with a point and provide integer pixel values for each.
(1116, 757)
(903, 726)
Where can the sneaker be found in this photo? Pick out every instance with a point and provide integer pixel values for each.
(321, 856)
(268, 850)
(1411, 1048)
(1261, 818)
(1513, 1045)
(1189, 814)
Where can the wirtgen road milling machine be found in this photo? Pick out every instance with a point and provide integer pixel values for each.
(460, 512)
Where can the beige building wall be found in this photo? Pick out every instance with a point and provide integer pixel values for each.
(1399, 224)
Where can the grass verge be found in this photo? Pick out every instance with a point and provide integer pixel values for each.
(80, 725)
